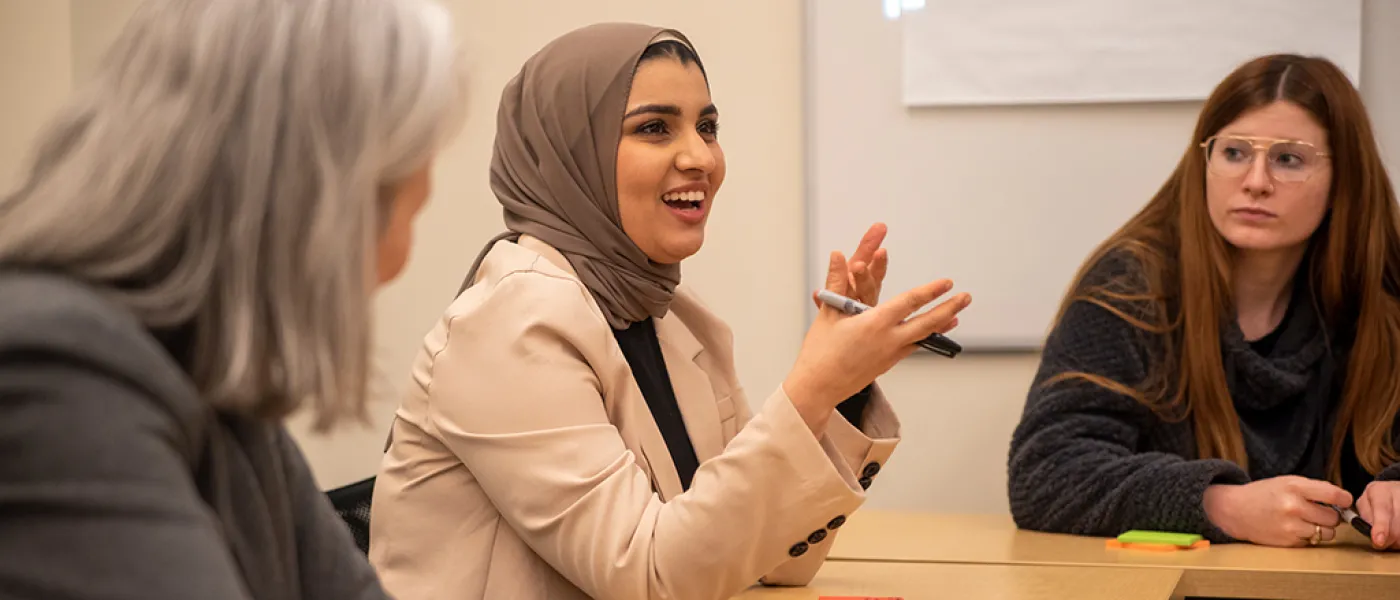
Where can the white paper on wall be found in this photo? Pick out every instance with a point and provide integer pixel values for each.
(969, 52)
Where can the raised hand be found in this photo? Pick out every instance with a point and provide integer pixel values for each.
(842, 354)
(867, 267)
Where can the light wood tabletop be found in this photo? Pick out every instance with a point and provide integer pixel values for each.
(1347, 567)
(936, 581)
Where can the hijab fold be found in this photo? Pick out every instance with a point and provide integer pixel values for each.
(554, 166)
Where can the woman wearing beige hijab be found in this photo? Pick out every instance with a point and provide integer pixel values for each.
(576, 428)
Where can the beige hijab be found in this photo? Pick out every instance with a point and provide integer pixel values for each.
(554, 167)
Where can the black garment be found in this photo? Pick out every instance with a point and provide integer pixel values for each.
(643, 352)
(853, 408)
(1089, 461)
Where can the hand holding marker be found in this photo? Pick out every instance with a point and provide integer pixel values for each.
(1356, 521)
(935, 342)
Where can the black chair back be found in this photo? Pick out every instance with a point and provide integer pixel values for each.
(352, 502)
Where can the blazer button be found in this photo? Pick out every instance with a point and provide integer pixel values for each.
(864, 483)
(797, 549)
(836, 523)
(817, 536)
(871, 470)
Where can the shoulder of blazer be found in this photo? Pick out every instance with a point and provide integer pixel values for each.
(509, 260)
(518, 276)
(65, 320)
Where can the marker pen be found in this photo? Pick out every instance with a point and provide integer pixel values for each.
(935, 342)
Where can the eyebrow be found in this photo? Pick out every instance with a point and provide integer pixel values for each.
(667, 109)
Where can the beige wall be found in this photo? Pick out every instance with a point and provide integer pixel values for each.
(958, 415)
(95, 24)
(1380, 75)
(35, 74)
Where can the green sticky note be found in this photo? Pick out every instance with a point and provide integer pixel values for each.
(1138, 536)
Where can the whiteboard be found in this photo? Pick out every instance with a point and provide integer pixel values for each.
(1007, 200)
(959, 52)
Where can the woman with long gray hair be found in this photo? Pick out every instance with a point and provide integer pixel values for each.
(191, 257)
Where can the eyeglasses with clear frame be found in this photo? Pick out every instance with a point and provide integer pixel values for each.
(1288, 161)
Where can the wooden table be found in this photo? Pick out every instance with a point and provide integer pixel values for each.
(1345, 568)
(935, 581)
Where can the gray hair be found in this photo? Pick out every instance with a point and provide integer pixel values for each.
(228, 169)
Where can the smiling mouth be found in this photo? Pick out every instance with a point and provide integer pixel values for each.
(684, 200)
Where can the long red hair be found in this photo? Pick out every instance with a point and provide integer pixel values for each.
(1182, 294)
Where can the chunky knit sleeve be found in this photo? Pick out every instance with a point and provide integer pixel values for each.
(1086, 460)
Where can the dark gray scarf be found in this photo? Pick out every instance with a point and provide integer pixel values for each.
(1286, 400)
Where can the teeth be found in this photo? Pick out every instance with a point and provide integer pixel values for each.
(695, 196)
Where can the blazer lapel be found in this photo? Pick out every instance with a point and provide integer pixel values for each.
(691, 384)
(656, 454)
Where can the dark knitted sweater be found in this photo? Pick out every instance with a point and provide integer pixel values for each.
(1088, 461)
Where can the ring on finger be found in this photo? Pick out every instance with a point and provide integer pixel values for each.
(1316, 536)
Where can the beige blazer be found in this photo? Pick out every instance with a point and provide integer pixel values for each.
(524, 461)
